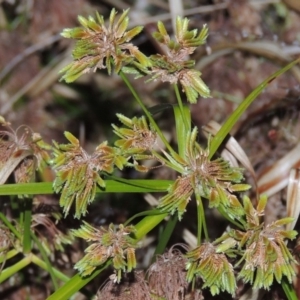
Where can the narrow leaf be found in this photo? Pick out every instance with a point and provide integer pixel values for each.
(235, 116)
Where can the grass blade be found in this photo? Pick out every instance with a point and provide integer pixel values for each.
(112, 186)
(75, 284)
(222, 133)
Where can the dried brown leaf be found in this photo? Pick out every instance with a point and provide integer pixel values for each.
(275, 178)
(232, 146)
(293, 197)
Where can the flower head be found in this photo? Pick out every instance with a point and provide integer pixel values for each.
(179, 195)
(266, 255)
(173, 66)
(215, 180)
(77, 172)
(97, 45)
(137, 137)
(214, 269)
(108, 243)
(137, 140)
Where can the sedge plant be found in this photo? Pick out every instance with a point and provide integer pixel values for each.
(249, 252)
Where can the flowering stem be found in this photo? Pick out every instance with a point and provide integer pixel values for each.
(76, 283)
(39, 262)
(46, 260)
(165, 236)
(10, 271)
(10, 226)
(201, 219)
(145, 213)
(153, 123)
(288, 290)
(5, 256)
(180, 104)
(27, 202)
(147, 224)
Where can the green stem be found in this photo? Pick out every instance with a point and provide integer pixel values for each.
(36, 260)
(27, 202)
(147, 224)
(10, 226)
(5, 256)
(147, 113)
(182, 117)
(289, 290)
(165, 236)
(112, 186)
(45, 258)
(180, 105)
(152, 212)
(10, 271)
(122, 185)
(201, 219)
(76, 283)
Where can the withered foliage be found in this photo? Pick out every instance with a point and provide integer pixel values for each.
(132, 286)
(167, 276)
